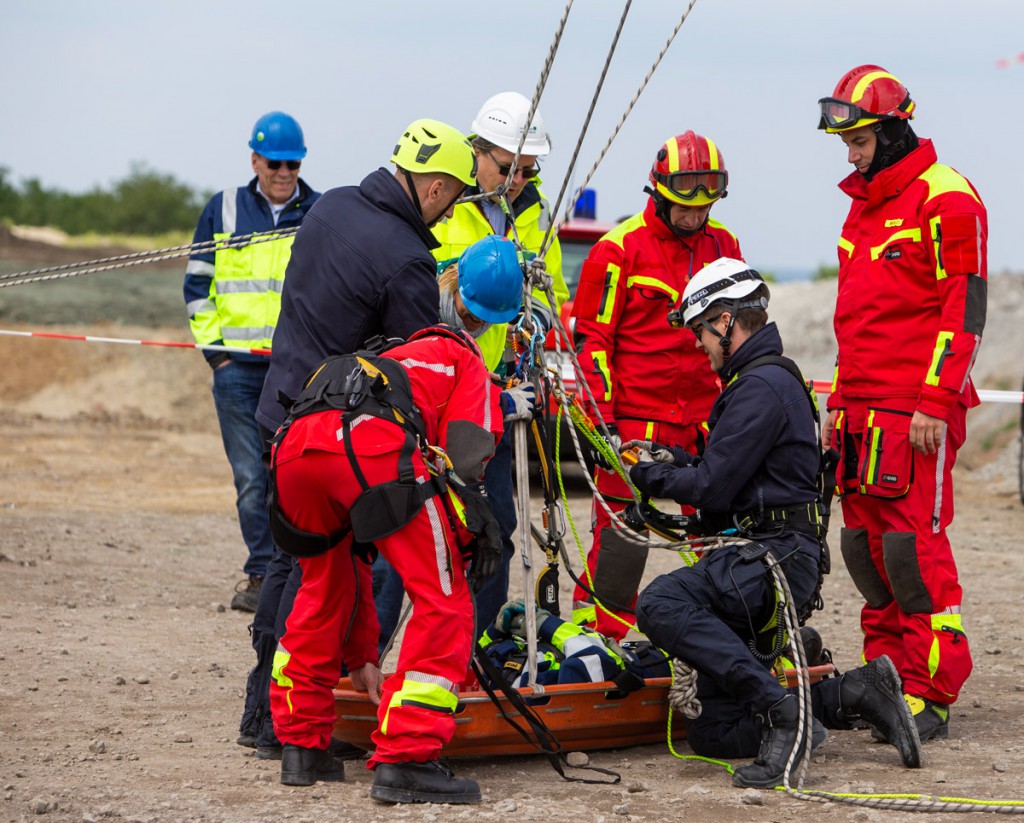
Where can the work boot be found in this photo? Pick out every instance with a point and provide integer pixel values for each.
(780, 734)
(303, 767)
(338, 749)
(247, 594)
(873, 693)
(247, 739)
(931, 718)
(430, 782)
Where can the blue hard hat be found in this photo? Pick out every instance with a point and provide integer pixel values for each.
(278, 136)
(491, 279)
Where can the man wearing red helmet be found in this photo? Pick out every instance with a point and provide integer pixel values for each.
(649, 379)
(912, 272)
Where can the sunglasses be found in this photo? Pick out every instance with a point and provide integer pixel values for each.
(274, 165)
(528, 173)
(698, 328)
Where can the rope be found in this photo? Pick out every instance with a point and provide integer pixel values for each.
(682, 694)
(123, 261)
(622, 120)
(586, 121)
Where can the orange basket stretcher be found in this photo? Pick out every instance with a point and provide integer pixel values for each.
(582, 716)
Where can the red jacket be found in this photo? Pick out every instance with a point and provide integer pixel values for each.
(635, 363)
(912, 286)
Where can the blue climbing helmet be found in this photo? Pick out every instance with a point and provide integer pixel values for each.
(491, 279)
(278, 136)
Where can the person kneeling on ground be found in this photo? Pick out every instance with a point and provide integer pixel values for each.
(759, 469)
(355, 463)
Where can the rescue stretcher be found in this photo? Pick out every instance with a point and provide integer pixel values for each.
(582, 716)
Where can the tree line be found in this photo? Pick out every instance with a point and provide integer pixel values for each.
(145, 202)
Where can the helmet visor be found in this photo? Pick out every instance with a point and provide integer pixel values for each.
(686, 185)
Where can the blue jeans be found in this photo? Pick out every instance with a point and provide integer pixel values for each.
(236, 391)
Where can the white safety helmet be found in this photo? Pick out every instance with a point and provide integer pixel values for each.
(501, 121)
(726, 280)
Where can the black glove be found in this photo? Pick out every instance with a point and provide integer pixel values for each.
(480, 521)
(614, 441)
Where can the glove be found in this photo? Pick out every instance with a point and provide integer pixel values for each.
(518, 624)
(508, 615)
(614, 441)
(487, 554)
(650, 451)
(519, 402)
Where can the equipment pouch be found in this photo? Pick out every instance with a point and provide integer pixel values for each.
(847, 461)
(887, 462)
(383, 509)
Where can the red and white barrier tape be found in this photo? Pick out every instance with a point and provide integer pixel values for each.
(822, 387)
(165, 343)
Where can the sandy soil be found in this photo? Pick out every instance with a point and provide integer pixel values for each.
(123, 673)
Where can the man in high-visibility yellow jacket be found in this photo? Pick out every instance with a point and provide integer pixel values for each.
(233, 296)
(495, 134)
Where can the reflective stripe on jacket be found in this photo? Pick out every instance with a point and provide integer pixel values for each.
(913, 269)
(233, 296)
(532, 217)
(636, 364)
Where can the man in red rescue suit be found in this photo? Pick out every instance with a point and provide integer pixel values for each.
(649, 380)
(909, 318)
(329, 464)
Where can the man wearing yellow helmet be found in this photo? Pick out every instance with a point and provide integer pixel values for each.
(361, 268)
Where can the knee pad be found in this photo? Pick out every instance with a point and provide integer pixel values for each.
(899, 551)
(853, 543)
(620, 567)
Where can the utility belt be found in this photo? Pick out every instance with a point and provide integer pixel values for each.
(806, 518)
(356, 385)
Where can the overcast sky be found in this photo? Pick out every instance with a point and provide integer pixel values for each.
(92, 86)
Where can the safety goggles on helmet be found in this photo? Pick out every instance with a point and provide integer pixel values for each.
(841, 114)
(686, 185)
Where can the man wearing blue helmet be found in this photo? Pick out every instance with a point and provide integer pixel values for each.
(233, 296)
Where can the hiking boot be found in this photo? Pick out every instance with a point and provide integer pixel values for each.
(246, 739)
(303, 767)
(430, 782)
(931, 718)
(780, 734)
(874, 693)
(247, 594)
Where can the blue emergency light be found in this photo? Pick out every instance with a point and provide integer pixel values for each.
(586, 205)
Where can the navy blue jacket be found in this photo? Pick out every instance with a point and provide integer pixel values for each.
(361, 266)
(762, 450)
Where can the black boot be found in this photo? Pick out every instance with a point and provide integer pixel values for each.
(873, 693)
(780, 734)
(303, 767)
(430, 782)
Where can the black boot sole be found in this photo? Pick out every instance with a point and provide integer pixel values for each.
(390, 794)
(309, 778)
(909, 749)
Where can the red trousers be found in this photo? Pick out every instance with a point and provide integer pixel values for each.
(915, 618)
(334, 621)
(617, 496)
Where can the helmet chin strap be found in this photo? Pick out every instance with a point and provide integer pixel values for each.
(413, 193)
(662, 210)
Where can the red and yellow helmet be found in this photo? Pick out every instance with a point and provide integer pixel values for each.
(690, 170)
(865, 95)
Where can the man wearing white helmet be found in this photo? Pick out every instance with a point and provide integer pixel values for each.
(758, 475)
(496, 133)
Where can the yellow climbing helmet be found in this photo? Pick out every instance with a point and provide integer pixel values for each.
(433, 146)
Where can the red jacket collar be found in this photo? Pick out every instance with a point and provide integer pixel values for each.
(664, 233)
(893, 180)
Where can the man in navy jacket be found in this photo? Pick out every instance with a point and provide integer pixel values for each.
(759, 474)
